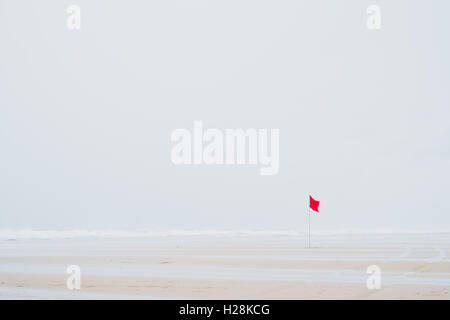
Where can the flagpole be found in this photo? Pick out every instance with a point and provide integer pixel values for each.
(309, 228)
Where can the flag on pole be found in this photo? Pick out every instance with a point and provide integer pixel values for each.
(314, 204)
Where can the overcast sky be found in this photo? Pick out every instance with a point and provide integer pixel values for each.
(86, 116)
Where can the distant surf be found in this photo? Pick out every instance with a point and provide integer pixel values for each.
(67, 234)
(11, 234)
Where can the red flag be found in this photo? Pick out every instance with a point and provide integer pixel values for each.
(313, 204)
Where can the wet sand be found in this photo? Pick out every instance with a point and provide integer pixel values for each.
(413, 266)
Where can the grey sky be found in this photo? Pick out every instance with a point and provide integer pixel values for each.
(86, 117)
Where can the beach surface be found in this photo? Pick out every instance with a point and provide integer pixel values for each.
(227, 266)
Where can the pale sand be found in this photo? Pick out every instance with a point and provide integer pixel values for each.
(413, 266)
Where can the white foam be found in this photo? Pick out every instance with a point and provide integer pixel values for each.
(10, 234)
(6, 234)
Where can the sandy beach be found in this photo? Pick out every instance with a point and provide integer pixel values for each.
(413, 266)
